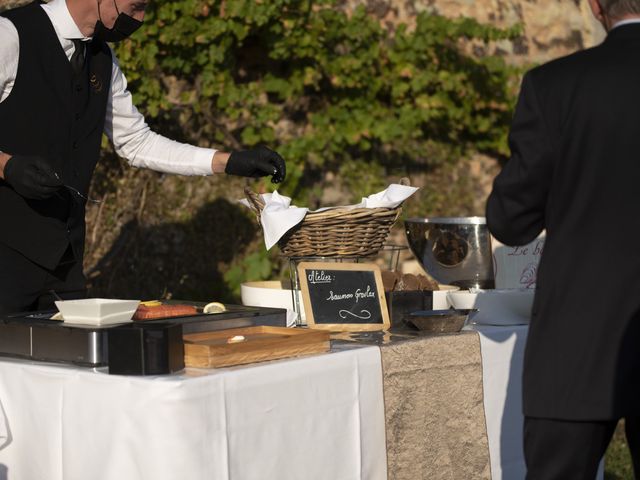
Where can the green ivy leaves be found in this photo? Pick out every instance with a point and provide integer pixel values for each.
(325, 87)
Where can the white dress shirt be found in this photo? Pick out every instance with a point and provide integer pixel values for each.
(625, 22)
(124, 124)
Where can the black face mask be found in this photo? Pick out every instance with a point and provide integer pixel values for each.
(123, 27)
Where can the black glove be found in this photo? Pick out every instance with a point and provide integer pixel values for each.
(257, 162)
(31, 176)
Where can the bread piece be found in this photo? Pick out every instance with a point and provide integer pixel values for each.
(389, 280)
(410, 282)
(427, 283)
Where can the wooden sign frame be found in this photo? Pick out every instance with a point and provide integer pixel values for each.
(303, 267)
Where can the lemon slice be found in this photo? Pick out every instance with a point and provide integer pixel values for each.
(151, 303)
(214, 307)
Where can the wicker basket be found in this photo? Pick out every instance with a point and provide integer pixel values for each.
(339, 232)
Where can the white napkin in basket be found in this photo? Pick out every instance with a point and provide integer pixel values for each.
(278, 215)
(391, 197)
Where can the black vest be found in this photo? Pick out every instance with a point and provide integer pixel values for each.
(60, 116)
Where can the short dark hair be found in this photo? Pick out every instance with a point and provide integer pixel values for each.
(620, 8)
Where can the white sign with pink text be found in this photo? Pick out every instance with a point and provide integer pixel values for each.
(517, 267)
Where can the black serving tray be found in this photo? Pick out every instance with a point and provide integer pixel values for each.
(150, 347)
(34, 337)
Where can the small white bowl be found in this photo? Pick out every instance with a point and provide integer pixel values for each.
(440, 299)
(495, 307)
(97, 311)
(271, 293)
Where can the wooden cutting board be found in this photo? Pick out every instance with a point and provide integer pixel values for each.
(244, 345)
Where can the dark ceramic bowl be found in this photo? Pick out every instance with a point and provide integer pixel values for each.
(440, 321)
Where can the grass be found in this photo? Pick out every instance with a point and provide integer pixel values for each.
(618, 464)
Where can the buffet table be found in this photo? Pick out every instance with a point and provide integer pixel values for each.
(399, 407)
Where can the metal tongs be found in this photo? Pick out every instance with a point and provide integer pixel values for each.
(73, 190)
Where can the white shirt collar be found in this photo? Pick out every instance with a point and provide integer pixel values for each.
(62, 20)
(622, 22)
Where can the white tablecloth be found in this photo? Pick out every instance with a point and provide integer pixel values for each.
(502, 350)
(319, 417)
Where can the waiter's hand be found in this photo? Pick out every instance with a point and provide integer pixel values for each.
(257, 162)
(31, 176)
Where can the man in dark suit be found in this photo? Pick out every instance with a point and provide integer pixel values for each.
(575, 172)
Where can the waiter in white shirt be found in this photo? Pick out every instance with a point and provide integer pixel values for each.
(60, 88)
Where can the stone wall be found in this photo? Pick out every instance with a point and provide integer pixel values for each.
(552, 28)
(4, 4)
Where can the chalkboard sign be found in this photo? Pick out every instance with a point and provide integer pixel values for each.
(343, 296)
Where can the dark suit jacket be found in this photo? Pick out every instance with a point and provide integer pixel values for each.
(575, 171)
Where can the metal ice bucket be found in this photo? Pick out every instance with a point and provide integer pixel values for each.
(453, 250)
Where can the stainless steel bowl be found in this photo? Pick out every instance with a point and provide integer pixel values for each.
(453, 250)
